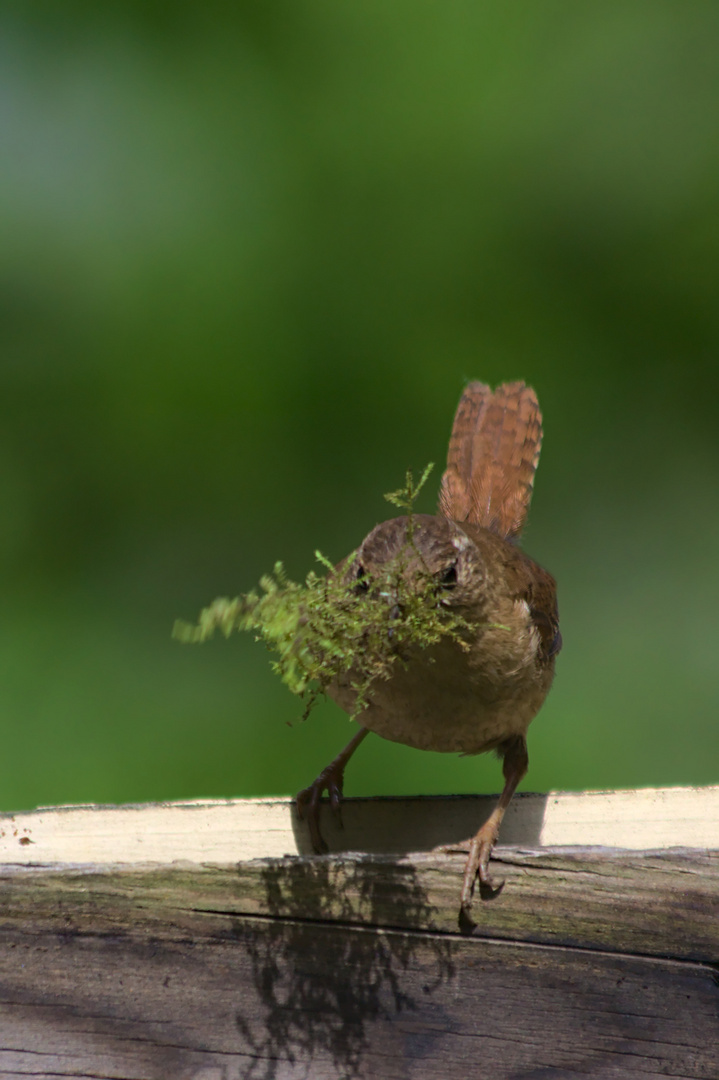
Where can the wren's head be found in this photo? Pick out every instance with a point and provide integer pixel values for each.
(433, 548)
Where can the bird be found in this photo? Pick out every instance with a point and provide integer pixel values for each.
(481, 694)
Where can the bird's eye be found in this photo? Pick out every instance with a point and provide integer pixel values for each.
(448, 578)
(361, 583)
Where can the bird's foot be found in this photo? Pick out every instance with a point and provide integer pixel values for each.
(308, 803)
(477, 869)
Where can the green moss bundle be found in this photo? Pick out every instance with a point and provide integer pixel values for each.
(327, 627)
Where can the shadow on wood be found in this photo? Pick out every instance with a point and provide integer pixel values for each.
(400, 826)
(348, 981)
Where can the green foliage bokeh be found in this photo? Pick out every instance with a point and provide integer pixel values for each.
(248, 258)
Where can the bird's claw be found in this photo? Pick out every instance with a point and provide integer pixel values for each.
(308, 803)
(477, 869)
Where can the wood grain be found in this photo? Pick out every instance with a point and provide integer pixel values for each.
(663, 904)
(283, 999)
(589, 962)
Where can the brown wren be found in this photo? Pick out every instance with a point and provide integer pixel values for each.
(484, 697)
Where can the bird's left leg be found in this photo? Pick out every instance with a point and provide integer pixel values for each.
(330, 780)
(516, 761)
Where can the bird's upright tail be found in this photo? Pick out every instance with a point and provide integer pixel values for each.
(492, 457)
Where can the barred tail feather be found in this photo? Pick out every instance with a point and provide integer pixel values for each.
(493, 454)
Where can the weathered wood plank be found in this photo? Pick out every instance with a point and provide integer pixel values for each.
(224, 831)
(280, 1000)
(664, 904)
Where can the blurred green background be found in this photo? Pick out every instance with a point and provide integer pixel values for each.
(249, 255)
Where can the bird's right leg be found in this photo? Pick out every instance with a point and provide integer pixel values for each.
(516, 761)
(330, 780)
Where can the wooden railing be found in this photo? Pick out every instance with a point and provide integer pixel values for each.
(201, 940)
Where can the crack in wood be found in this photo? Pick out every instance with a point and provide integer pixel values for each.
(477, 935)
